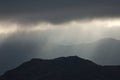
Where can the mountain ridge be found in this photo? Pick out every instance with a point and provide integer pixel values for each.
(63, 68)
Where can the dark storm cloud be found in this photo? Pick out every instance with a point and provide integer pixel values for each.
(57, 11)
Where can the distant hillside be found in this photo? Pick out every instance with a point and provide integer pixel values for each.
(63, 68)
(105, 51)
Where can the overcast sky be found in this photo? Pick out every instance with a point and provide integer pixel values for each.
(29, 26)
(31, 15)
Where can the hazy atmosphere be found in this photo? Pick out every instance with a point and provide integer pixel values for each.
(53, 28)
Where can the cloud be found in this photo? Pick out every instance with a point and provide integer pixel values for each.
(68, 32)
(57, 11)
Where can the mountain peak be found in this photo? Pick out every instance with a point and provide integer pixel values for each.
(69, 57)
(108, 40)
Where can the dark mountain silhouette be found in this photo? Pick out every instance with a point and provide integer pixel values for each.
(104, 51)
(63, 68)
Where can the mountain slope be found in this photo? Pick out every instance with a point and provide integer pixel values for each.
(63, 68)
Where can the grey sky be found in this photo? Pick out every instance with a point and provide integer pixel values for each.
(57, 11)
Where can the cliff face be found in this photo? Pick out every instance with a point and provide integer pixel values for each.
(63, 68)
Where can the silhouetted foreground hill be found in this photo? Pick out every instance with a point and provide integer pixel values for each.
(63, 68)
